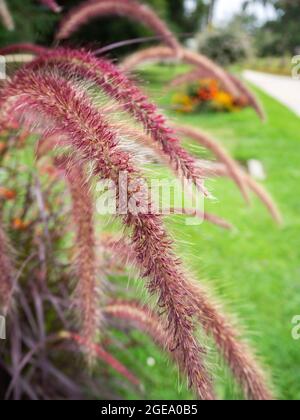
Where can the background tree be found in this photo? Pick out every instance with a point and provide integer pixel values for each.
(280, 35)
(35, 23)
(211, 10)
(187, 20)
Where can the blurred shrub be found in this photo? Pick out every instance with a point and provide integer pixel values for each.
(268, 42)
(225, 46)
(274, 65)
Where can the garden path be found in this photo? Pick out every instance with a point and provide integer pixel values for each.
(283, 88)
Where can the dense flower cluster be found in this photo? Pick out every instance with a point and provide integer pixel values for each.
(205, 95)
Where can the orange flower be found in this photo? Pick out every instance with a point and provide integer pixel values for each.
(7, 194)
(19, 224)
(208, 90)
(2, 146)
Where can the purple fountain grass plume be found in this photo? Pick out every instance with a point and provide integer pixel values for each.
(189, 77)
(29, 96)
(194, 58)
(52, 5)
(6, 274)
(51, 142)
(162, 53)
(116, 85)
(210, 169)
(23, 47)
(132, 9)
(146, 141)
(237, 354)
(252, 99)
(207, 217)
(147, 321)
(214, 169)
(6, 16)
(101, 354)
(265, 197)
(141, 317)
(157, 262)
(119, 248)
(231, 83)
(219, 151)
(87, 293)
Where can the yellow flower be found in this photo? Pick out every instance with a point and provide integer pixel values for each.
(183, 102)
(224, 100)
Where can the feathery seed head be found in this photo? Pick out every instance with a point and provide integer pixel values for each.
(130, 8)
(52, 5)
(236, 353)
(71, 112)
(116, 85)
(43, 97)
(6, 16)
(87, 294)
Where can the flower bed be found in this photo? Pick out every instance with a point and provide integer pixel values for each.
(205, 95)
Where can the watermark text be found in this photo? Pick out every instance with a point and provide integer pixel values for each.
(296, 328)
(2, 328)
(155, 197)
(296, 67)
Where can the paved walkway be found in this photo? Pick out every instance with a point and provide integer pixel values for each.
(285, 89)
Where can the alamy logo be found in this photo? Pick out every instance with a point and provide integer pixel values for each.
(155, 197)
(296, 329)
(2, 328)
(2, 67)
(296, 67)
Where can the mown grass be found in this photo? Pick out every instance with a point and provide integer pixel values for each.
(253, 270)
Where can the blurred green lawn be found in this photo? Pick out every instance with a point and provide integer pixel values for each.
(255, 269)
